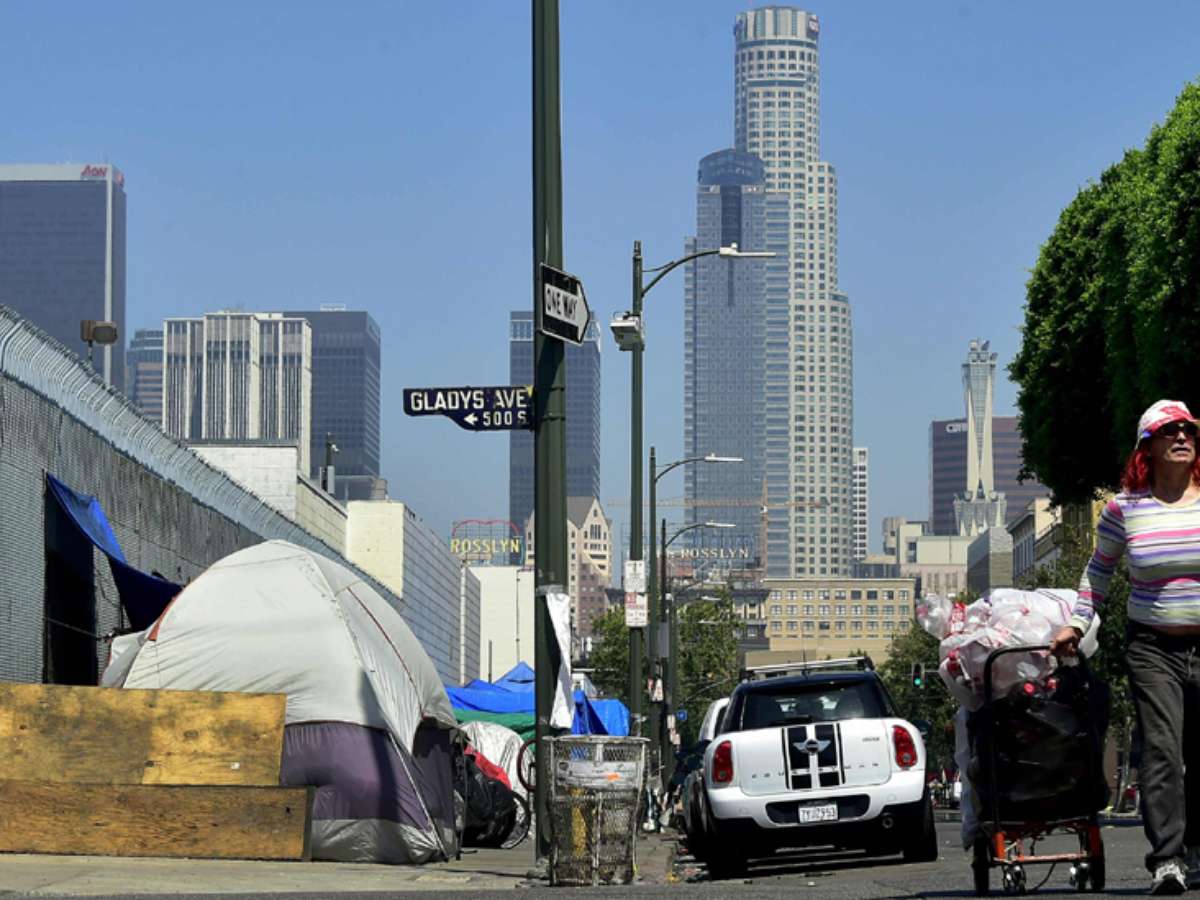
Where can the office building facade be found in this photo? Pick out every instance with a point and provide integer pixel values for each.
(809, 411)
(144, 372)
(583, 418)
(239, 377)
(948, 469)
(725, 376)
(346, 356)
(62, 253)
(862, 505)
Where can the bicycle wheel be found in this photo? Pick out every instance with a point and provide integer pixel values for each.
(521, 826)
(526, 767)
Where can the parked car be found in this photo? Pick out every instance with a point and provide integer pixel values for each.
(815, 755)
(694, 817)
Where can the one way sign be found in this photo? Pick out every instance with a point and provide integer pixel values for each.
(564, 310)
(504, 408)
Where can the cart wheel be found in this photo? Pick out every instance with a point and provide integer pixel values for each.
(1014, 879)
(981, 865)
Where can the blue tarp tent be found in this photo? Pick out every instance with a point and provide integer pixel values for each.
(513, 694)
(144, 596)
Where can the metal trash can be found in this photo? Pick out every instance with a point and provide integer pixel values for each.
(595, 788)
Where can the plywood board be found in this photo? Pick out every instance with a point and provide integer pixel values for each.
(155, 820)
(94, 735)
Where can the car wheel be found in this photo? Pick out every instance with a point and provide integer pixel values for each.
(923, 846)
(729, 862)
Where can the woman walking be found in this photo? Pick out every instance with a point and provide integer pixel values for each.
(1155, 522)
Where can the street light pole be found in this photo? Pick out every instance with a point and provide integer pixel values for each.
(655, 606)
(635, 495)
(672, 668)
(629, 333)
(657, 579)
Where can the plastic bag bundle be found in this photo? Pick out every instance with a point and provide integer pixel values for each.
(1005, 617)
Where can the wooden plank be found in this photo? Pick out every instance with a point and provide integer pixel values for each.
(155, 820)
(94, 735)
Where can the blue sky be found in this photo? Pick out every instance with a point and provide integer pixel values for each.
(283, 155)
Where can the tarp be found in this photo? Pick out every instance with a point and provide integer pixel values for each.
(144, 596)
(613, 714)
(519, 678)
(513, 695)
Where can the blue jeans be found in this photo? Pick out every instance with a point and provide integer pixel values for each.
(1164, 676)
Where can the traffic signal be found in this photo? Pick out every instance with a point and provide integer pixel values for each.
(918, 674)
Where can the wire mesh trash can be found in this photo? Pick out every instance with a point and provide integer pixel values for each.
(595, 787)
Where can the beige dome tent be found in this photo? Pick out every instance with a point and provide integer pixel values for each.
(368, 720)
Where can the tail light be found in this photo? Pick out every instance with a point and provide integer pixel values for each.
(722, 763)
(905, 746)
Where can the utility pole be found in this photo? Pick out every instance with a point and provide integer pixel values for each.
(654, 605)
(549, 398)
(636, 686)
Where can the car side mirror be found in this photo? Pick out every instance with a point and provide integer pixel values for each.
(924, 728)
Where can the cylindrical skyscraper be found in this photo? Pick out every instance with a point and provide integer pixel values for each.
(808, 389)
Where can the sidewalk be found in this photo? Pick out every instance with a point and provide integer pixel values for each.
(478, 870)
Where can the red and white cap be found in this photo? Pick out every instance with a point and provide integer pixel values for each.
(1160, 414)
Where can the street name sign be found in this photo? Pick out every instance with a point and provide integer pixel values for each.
(503, 408)
(564, 310)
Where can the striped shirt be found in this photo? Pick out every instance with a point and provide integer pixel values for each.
(1163, 548)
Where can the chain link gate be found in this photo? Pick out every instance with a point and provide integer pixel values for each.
(595, 791)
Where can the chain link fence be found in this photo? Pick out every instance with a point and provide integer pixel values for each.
(596, 784)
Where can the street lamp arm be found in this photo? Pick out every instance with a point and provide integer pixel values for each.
(683, 530)
(675, 465)
(664, 270)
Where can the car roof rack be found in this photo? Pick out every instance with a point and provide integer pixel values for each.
(781, 670)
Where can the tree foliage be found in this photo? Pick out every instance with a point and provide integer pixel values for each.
(708, 664)
(708, 658)
(931, 701)
(609, 658)
(1113, 298)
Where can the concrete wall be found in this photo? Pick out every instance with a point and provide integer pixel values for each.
(391, 542)
(319, 514)
(506, 617)
(268, 471)
(990, 561)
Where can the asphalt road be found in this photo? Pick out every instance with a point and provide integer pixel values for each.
(818, 875)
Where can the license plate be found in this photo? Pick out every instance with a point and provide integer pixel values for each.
(825, 813)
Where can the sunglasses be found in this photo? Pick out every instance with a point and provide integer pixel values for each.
(1173, 430)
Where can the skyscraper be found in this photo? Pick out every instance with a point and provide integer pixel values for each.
(345, 396)
(62, 252)
(583, 417)
(235, 376)
(144, 372)
(724, 377)
(948, 469)
(979, 507)
(862, 507)
(809, 406)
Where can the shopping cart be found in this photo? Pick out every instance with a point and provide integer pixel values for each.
(1037, 770)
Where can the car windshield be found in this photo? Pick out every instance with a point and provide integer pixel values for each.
(797, 704)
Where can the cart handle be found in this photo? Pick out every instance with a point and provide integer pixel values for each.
(1023, 648)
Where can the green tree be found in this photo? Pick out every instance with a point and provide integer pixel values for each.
(931, 701)
(1114, 293)
(708, 658)
(609, 658)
